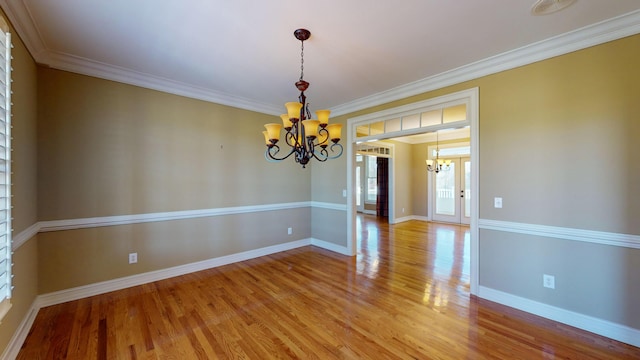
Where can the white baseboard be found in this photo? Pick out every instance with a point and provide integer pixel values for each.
(20, 335)
(331, 246)
(411, 217)
(58, 297)
(605, 328)
(80, 292)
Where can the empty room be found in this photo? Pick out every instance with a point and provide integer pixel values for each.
(327, 180)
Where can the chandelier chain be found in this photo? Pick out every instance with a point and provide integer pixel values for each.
(302, 60)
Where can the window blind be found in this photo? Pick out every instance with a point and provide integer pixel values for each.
(5, 173)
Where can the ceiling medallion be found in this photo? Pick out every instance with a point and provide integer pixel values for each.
(546, 7)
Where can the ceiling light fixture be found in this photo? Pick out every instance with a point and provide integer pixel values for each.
(308, 138)
(439, 164)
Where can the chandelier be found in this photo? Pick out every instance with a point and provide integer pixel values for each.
(308, 138)
(439, 164)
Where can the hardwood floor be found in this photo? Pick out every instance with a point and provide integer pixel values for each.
(405, 296)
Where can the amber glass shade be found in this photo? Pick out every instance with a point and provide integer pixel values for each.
(293, 109)
(311, 128)
(285, 121)
(335, 131)
(323, 116)
(266, 137)
(273, 131)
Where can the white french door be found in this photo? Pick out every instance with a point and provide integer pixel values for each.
(451, 193)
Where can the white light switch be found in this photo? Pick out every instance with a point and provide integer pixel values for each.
(344, 192)
(497, 203)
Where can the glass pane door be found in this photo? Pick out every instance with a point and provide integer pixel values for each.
(446, 205)
(466, 194)
(359, 182)
(452, 193)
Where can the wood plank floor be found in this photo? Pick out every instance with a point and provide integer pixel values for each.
(405, 296)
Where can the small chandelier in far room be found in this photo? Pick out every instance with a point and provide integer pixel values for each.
(308, 138)
(439, 164)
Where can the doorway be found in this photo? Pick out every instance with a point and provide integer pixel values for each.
(451, 192)
(455, 110)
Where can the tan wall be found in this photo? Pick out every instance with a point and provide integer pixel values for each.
(559, 140)
(24, 189)
(403, 179)
(329, 225)
(24, 138)
(419, 190)
(558, 144)
(86, 256)
(107, 148)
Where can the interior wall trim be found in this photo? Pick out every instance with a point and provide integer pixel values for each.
(330, 206)
(596, 237)
(83, 223)
(592, 35)
(330, 246)
(20, 335)
(71, 224)
(22, 237)
(598, 326)
(103, 287)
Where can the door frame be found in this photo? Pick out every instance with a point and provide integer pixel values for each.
(431, 184)
(471, 96)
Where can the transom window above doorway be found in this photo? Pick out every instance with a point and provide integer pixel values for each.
(416, 119)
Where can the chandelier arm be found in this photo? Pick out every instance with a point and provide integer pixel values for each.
(291, 138)
(324, 154)
(271, 156)
(310, 148)
(332, 150)
(323, 131)
(321, 155)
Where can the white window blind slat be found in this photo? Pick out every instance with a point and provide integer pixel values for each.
(5, 173)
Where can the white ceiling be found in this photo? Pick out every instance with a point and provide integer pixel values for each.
(361, 52)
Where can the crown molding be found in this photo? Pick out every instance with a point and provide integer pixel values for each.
(604, 31)
(101, 70)
(22, 21)
(599, 33)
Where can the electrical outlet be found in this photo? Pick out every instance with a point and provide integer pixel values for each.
(497, 203)
(549, 281)
(290, 231)
(133, 258)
